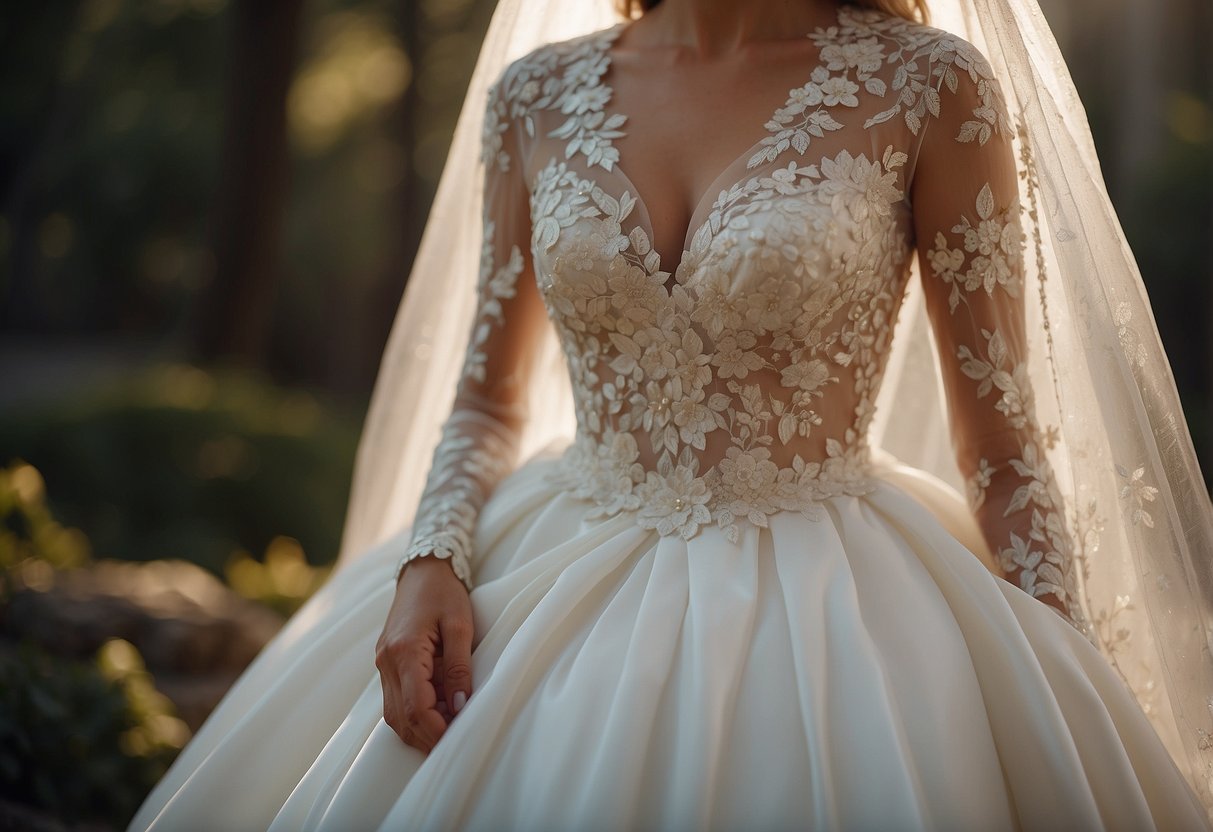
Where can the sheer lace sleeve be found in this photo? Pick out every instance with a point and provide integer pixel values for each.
(970, 247)
(480, 439)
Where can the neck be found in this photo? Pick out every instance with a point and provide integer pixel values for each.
(713, 28)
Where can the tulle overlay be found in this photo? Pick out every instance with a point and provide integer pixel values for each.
(862, 671)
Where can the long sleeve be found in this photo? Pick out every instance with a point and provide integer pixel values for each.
(479, 441)
(970, 247)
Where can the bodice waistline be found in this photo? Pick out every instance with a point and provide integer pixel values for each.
(674, 499)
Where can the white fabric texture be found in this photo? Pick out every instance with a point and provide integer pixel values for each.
(723, 602)
(631, 681)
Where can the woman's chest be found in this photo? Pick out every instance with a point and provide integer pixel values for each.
(780, 253)
(697, 126)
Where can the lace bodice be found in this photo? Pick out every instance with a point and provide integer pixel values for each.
(743, 383)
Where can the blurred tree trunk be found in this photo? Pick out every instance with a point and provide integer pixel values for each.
(417, 24)
(34, 137)
(408, 202)
(236, 307)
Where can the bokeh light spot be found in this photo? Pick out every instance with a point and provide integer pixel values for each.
(56, 235)
(1189, 117)
(358, 68)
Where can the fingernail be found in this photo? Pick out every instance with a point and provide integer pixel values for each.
(459, 699)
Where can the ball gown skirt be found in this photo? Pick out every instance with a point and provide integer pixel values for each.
(863, 671)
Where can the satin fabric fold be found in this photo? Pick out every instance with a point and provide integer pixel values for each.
(863, 671)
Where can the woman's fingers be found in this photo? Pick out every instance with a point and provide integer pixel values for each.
(424, 652)
(420, 716)
(441, 705)
(456, 670)
(393, 704)
(405, 666)
(418, 701)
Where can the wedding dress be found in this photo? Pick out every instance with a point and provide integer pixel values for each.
(719, 606)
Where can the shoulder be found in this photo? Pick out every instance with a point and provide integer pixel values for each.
(897, 40)
(925, 73)
(535, 80)
(540, 80)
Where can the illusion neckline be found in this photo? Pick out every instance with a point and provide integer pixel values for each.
(714, 189)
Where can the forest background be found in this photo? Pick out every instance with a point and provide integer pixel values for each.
(208, 209)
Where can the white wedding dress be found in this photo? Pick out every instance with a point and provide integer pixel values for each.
(717, 608)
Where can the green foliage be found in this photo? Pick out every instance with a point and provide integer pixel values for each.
(83, 740)
(282, 580)
(32, 542)
(182, 462)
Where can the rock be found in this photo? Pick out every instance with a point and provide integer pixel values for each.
(195, 633)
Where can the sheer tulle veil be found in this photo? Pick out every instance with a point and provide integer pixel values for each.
(1136, 505)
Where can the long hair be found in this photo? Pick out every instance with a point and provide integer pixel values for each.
(909, 9)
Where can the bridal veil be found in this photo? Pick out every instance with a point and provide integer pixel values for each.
(1136, 506)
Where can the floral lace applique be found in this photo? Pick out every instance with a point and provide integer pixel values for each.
(998, 244)
(477, 447)
(746, 386)
(865, 38)
(1136, 492)
(988, 262)
(566, 77)
(661, 375)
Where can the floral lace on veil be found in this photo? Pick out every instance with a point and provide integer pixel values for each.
(1128, 491)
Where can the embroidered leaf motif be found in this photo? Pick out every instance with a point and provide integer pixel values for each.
(985, 202)
(747, 385)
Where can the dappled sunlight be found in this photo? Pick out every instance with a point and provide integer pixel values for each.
(283, 580)
(157, 727)
(1190, 118)
(211, 211)
(358, 68)
(32, 543)
(260, 408)
(161, 586)
(182, 385)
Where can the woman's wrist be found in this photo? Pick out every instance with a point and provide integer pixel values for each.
(452, 561)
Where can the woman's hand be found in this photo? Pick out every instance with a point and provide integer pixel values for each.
(424, 654)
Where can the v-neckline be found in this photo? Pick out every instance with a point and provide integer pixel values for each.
(714, 188)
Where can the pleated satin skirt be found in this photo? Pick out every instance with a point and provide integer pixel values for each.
(863, 671)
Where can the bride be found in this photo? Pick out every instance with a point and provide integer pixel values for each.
(740, 246)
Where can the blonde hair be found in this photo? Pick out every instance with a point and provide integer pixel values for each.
(915, 10)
